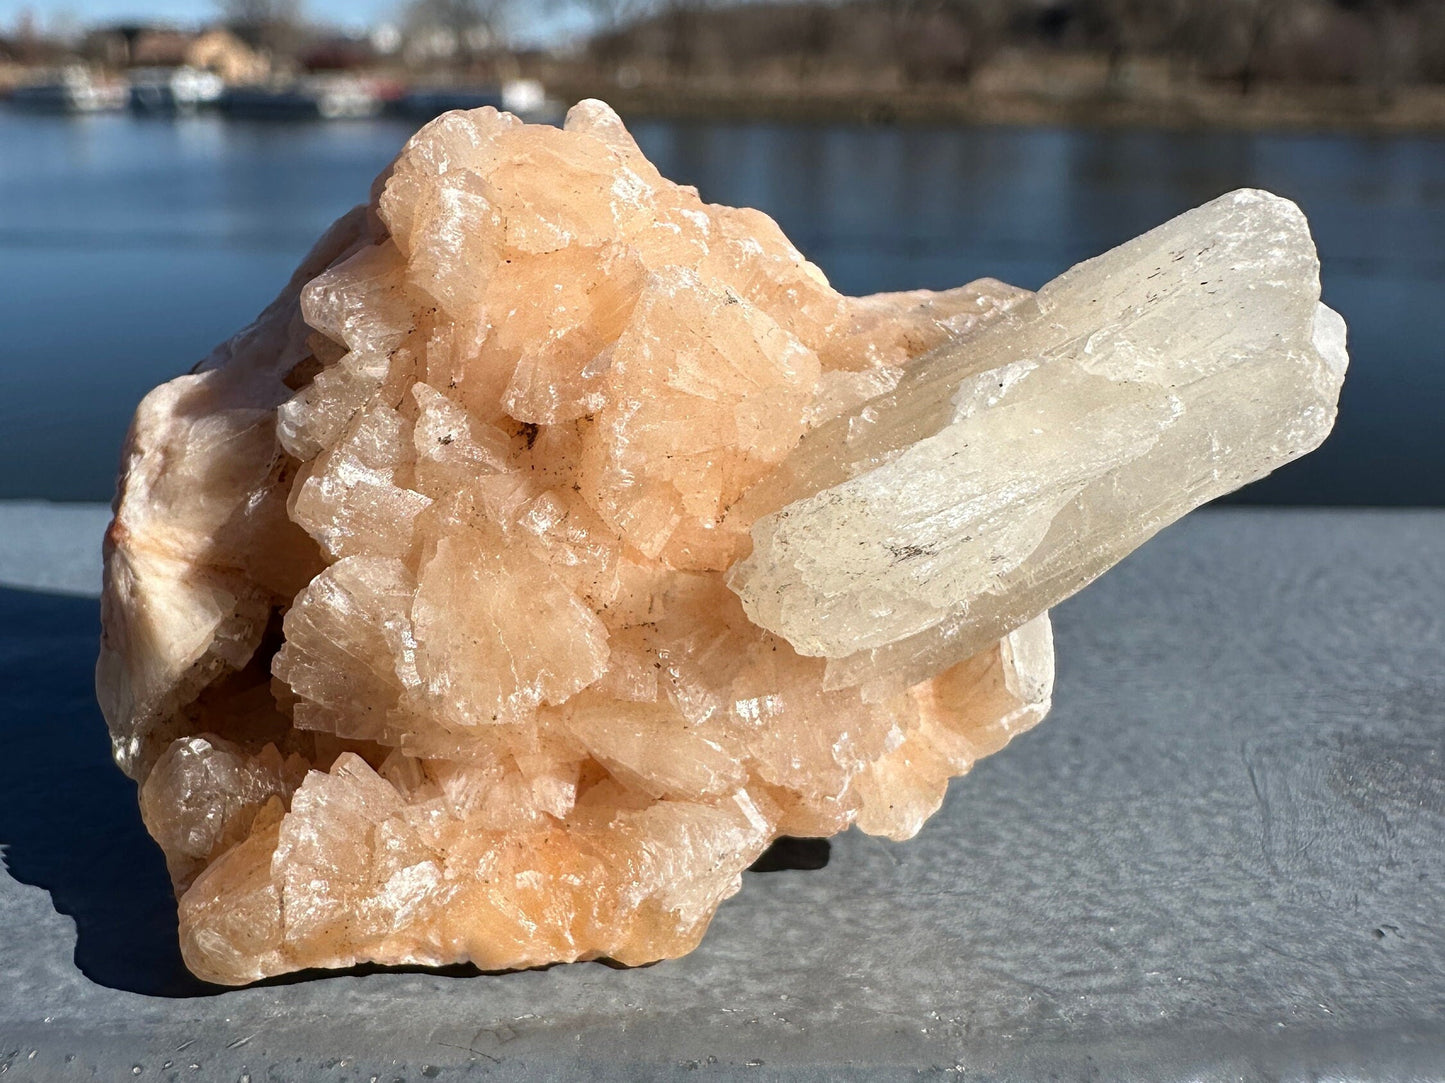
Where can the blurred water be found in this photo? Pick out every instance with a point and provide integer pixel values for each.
(129, 246)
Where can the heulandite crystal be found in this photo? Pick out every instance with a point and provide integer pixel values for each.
(418, 636)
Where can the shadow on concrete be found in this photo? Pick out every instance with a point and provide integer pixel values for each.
(69, 821)
(788, 853)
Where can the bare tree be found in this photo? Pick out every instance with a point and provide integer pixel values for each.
(1125, 29)
(816, 38)
(1430, 47)
(465, 29)
(1388, 21)
(260, 11)
(1380, 42)
(682, 21)
(944, 39)
(906, 19)
(1262, 17)
(611, 15)
(984, 25)
(610, 18)
(278, 26)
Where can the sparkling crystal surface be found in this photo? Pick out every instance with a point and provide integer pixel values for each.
(418, 633)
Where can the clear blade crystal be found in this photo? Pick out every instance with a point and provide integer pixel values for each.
(1009, 469)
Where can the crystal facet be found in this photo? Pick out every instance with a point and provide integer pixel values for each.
(418, 635)
(1007, 471)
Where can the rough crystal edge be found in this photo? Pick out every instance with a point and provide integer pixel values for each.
(834, 572)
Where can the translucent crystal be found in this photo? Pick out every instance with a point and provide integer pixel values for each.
(1008, 470)
(417, 634)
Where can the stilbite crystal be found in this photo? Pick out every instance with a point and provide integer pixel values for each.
(416, 631)
(1007, 471)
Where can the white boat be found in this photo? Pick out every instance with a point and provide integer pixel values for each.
(423, 103)
(174, 90)
(73, 90)
(319, 97)
(527, 98)
(524, 97)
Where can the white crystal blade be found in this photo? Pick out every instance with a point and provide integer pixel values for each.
(1008, 470)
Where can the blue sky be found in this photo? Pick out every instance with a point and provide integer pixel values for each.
(548, 20)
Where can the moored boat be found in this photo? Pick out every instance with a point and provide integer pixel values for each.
(174, 90)
(73, 90)
(314, 98)
(525, 97)
(424, 103)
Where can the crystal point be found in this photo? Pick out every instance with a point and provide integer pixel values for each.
(1010, 468)
(417, 635)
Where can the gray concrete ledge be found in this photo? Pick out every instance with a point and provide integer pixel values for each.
(52, 547)
(1222, 857)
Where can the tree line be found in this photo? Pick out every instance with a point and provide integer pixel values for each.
(1381, 43)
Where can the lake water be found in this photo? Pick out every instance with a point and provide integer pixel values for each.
(129, 246)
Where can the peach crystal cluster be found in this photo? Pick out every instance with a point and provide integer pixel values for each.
(419, 637)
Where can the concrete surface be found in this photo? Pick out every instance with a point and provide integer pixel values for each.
(1223, 857)
(52, 547)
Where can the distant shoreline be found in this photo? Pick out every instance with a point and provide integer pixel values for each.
(1069, 101)
(1412, 111)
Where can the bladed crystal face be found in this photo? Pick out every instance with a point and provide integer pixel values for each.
(1006, 471)
(557, 540)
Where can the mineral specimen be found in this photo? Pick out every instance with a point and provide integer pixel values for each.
(418, 631)
(995, 480)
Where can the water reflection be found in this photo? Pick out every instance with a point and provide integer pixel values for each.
(129, 246)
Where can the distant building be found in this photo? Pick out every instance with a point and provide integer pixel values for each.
(129, 45)
(337, 52)
(220, 51)
(139, 45)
